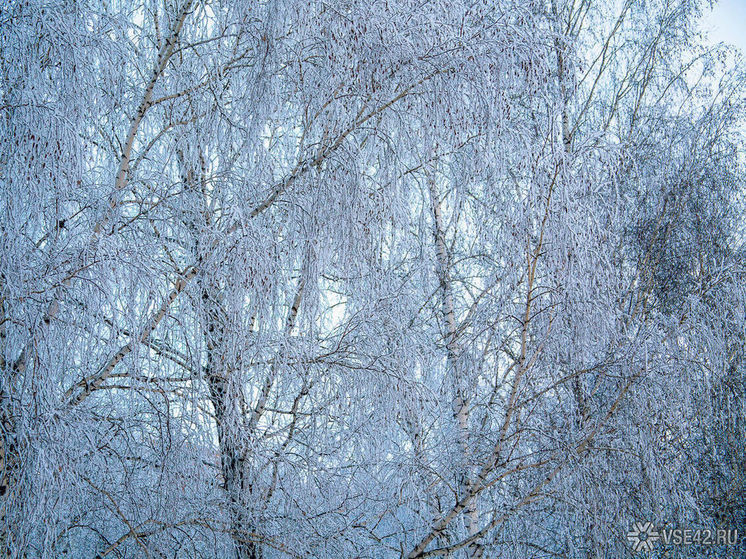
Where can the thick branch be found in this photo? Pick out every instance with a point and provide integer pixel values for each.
(89, 384)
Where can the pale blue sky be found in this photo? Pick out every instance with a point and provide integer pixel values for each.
(727, 23)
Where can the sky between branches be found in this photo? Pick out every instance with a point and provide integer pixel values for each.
(726, 22)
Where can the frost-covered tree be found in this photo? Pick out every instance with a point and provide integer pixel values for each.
(366, 279)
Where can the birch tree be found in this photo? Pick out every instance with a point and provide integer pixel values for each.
(366, 279)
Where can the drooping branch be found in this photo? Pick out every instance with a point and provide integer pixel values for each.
(89, 384)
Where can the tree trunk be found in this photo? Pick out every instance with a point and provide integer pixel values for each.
(460, 402)
(232, 454)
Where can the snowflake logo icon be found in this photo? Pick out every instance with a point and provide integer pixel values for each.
(642, 536)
